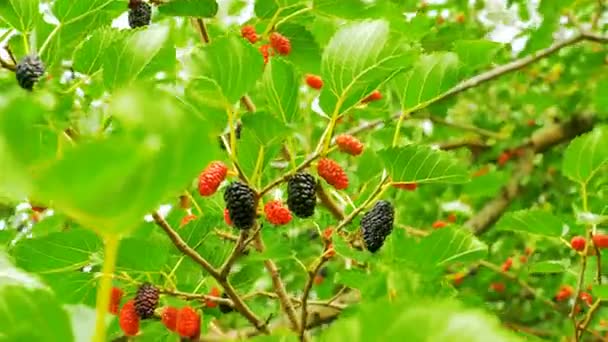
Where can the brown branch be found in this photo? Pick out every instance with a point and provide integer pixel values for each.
(202, 30)
(456, 144)
(582, 327)
(195, 296)
(239, 305)
(328, 203)
(6, 65)
(466, 127)
(236, 252)
(226, 236)
(278, 285)
(540, 142)
(307, 287)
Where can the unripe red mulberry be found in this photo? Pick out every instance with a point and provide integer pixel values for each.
(187, 219)
(578, 243)
(314, 81)
(349, 144)
(280, 43)
(211, 178)
(188, 322)
(374, 96)
(276, 213)
(169, 317)
(266, 52)
(248, 32)
(406, 186)
(115, 297)
(215, 292)
(600, 240)
(128, 320)
(333, 173)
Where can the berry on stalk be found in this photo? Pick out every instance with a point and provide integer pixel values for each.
(349, 144)
(188, 322)
(115, 297)
(240, 202)
(377, 224)
(146, 300)
(169, 317)
(128, 320)
(600, 240)
(301, 195)
(374, 96)
(215, 292)
(333, 173)
(578, 243)
(276, 213)
(280, 43)
(28, 71)
(248, 32)
(406, 186)
(314, 81)
(211, 178)
(139, 13)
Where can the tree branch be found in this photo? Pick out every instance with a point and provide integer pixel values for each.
(328, 203)
(540, 141)
(236, 252)
(307, 287)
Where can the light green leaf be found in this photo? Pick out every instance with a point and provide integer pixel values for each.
(421, 164)
(268, 8)
(449, 245)
(305, 51)
(89, 56)
(358, 59)
(601, 291)
(58, 252)
(69, 11)
(601, 100)
(136, 55)
(280, 84)
(142, 255)
(586, 155)
(532, 221)
(475, 54)
(32, 315)
(232, 63)
(11, 275)
(83, 322)
(431, 76)
(20, 14)
(550, 266)
(189, 8)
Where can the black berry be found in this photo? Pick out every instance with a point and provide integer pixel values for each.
(377, 224)
(146, 300)
(301, 196)
(139, 13)
(28, 72)
(225, 308)
(240, 202)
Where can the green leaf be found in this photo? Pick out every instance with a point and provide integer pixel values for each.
(69, 11)
(83, 322)
(189, 8)
(475, 54)
(600, 291)
(425, 320)
(11, 275)
(601, 100)
(32, 315)
(20, 14)
(136, 55)
(532, 221)
(89, 56)
(232, 63)
(550, 266)
(280, 84)
(268, 8)
(449, 245)
(431, 76)
(358, 59)
(58, 252)
(305, 51)
(422, 164)
(142, 255)
(586, 155)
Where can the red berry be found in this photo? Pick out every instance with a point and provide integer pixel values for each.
(503, 158)
(458, 278)
(280, 43)
(406, 186)
(249, 33)
(333, 173)
(349, 144)
(528, 251)
(169, 317)
(38, 209)
(327, 233)
(330, 252)
(498, 287)
(374, 96)
(277, 213)
(211, 178)
(188, 322)
(318, 280)
(506, 266)
(600, 240)
(587, 298)
(452, 217)
(531, 123)
(460, 18)
(314, 81)
(215, 292)
(523, 259)
(266, 52)
(565, 291)
(481, 172)
(578, 243)
(439, 224)
(128, 319)
(115, 297)
(227, 217)
(187, 219)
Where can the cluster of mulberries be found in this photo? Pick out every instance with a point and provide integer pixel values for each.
(377, 224)
(211, 178)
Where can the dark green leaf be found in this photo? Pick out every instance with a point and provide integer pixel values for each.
(280, 84)
(20, 14)
(586, 155)
(189, 8)
(532, 221)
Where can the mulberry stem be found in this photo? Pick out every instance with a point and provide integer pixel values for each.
(105, 286)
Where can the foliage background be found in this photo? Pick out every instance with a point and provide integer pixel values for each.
(481, 101)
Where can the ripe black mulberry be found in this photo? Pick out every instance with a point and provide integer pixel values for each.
(240, 202)
(301, 196)
(139, 13)
(28, 71)
(377, 224)
(146, 300)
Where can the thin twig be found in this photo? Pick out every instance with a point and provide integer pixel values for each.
(226, 236)
(278, 285)
(236, 252)
(328, 203)
(202, 30)
(307, 287)
(582, 327)
(194, 296)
